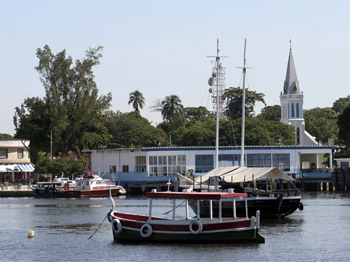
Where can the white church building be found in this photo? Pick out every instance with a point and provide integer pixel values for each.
(302, 160)
(292, 100)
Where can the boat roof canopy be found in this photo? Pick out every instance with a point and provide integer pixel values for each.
(195, 195)
(236, 174)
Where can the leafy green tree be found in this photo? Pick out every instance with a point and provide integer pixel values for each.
(233, 99)
(132, 130)
(197, 113)
(321, 123)
(76, 113)
(70, 165)
(195, 133)
(271, 113)
(344, 125)
(137, 100)
(257, 132)
(340, 104)
(32, 122)
(5, 136)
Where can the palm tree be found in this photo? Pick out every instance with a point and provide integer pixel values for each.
(137, 100)
(171, 108)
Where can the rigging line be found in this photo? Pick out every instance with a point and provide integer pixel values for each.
(267, 132)
(233, 133)
(250, 80)
(98, 227)
(173, 209)
(228, 61)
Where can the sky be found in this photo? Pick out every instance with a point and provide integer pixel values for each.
(161, 48)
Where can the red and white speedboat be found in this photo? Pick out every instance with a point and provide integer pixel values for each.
(132, 227)
(92, 185)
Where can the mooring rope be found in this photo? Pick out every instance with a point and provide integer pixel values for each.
(98, 227)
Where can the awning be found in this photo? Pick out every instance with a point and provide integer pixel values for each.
(244, 174)
(26, 167)
(4, 168)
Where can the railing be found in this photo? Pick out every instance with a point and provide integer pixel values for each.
(15, 187)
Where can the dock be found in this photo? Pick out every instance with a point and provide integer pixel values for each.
(339, 181)
(16, 190)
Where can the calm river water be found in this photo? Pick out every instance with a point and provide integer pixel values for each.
(321, 232)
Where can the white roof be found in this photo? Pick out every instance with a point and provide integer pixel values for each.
(236, 174)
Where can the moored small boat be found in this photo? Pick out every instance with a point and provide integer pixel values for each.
(133, 227)
(92, 185)
(46, 189)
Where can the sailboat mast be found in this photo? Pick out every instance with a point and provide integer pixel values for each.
(217, 105)
(243, 106)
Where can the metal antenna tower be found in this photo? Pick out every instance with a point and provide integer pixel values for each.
(217, 84)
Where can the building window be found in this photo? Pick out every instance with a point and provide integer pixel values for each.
(112, 169)
(281, 161)
(3, 153)
(204, 163)
(167, 165)
(152, 160)
(234, 158)
(19, 153)
(126, 169)
(292, 109)
(140, 163)
(259, 160)
(297, 109)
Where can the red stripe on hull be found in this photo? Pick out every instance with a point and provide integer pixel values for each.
(101, 192)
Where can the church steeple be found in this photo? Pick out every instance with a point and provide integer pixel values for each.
(291, 84)
(292, 105)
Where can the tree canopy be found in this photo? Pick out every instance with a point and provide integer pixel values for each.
(133, 130)
(171, 108)
(71, 108)
(137, 100)
(233, 100)
(321, 123)
(5, 136)
(340, 104)
(344, 125)
(271, 113)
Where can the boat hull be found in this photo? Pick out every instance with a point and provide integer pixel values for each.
(90, 193)
(131, 228)
(39, 192)
(269, 207)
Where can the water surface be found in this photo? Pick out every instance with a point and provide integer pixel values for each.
(321, 232)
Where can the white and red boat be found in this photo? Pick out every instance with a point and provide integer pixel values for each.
(62, 183)
(92, 185)
(132, 227)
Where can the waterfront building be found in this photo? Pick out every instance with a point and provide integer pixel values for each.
(15, 165)
(162, 163)
(302, 160)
